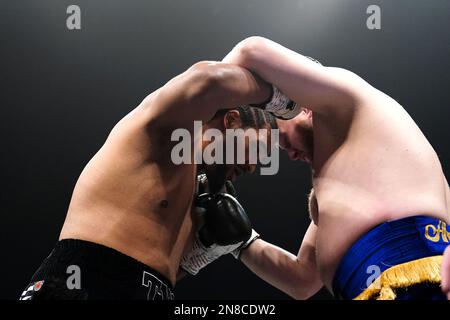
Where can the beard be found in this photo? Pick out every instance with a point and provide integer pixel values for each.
(307, 134)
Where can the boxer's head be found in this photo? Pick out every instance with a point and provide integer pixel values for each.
(296, 136)
(247, 120)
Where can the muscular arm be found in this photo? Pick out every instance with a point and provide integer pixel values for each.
(199, 92)
(297, 276)
(304, 81)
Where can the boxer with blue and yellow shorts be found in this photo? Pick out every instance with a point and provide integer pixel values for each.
(396, 260)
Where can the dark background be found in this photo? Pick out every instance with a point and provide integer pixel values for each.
(62, 91)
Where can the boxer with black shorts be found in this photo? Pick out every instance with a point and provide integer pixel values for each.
(131, 219)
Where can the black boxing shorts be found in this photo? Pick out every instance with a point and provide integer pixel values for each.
(82, 270)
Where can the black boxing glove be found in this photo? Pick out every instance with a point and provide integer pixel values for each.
(226, 229)
(226, 222)
(203, 186)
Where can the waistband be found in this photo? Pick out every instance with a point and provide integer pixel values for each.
(110, 261)
(105, 258)
(387, 245)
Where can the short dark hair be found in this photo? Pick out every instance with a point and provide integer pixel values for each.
(252, 117)
(256, 118)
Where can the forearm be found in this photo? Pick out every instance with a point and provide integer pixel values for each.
(280, 66)
(302, 80)
(281, 269)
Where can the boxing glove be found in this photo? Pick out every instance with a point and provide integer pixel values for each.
(226, 229)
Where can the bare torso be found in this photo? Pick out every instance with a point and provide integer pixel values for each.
(131, 197)
(372, 166)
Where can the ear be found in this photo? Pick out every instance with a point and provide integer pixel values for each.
(232, 120)
(307, 112)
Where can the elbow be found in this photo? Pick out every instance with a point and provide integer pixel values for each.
(299, 290)
(304, 291)
(252, 43)
(248, 50)
(301, 294)
(305, 284)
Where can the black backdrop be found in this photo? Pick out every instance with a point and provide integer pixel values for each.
(62, 91)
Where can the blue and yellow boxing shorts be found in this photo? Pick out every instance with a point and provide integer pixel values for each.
(396, 260)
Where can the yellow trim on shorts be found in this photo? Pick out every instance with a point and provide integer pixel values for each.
(402, 276)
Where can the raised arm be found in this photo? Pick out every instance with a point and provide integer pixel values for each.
(302, 80)
(203, 89)
(297, 276)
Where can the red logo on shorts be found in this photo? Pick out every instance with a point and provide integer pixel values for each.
(38, 285)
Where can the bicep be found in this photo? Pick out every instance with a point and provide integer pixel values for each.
(307, 255)
(182, 98)
(202, 90)
(308, 247)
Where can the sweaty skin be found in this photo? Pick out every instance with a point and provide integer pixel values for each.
(130, 196)
(371, 164)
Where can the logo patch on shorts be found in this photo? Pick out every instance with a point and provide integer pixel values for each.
(31, 289)
(38, 285)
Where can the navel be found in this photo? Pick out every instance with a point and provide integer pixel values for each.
(164, 204)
